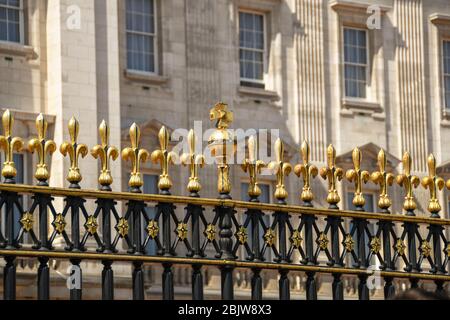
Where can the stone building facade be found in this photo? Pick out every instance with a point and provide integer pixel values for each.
(373, 73)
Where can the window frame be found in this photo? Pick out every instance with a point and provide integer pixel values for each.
(21, 23)
(155, 42)
(366, 65)
(444, 75)
(264, 51)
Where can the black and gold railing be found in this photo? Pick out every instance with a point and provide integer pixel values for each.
(215, 232)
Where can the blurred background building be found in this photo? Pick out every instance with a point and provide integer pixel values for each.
(373, 73)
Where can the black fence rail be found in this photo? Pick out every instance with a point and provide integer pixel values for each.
(222, 232)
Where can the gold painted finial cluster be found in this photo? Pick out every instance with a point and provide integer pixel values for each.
(222, 146)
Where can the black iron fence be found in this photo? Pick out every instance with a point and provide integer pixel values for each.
(222, 232)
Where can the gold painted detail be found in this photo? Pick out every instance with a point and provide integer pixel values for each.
(307, 171)
(433, 183)
(447, 250)
(296, 239)
(269, 237)
(375, 245)
(104, 152)
(74, 151)
(349, 243)
(152, 229)
(210, 232)
(425, 248)
(194, 161)
(252, 165)
(384, 180)
(182, 231)
(323, 241)
(9, 144)
(400, 247)
(221, 145)
(165, 158)
(91, 225)
(59, 223)
(122, 227)
(241, 235)
(135, 155)
(332, 174)
(408, 182)
(27, 221)
(358, 177)
(42, 147)
(281, 169)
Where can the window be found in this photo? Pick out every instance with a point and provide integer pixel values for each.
(264, 198)
(11, 21)
(355, 62)
(446, 64)
(251, 48)
(141, 35)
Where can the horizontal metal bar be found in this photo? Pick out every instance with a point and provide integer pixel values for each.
(127, 196)
(216, 262)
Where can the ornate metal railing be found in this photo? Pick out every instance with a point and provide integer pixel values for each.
(210, 232)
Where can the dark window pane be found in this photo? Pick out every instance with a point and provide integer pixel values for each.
(3, 31)
(2, 13)
(14, 32)
(13, 3)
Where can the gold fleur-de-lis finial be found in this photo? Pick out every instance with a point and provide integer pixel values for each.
(135, 155)
(408, 181)
(105, 152)
(165, 158)
(384, 180)
(433, 183)
(74, 150)
(281, 169)
(332, 174)
(253, 166)
(308, 172)
(42, 147)
(358, 177)
(9, 144)
(194, 161)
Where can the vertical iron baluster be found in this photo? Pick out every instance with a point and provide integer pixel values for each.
(226, 245)
(389, 288)
(412, 229)
(256, 281)
(75, 204)
(440, 291)
(284, 284)
(9, 277)
(359, 177)
(137, 208)
(138, 281)
(197, 282)
(166, 210)
(107, 281)
(257, 285)
(43, 279)
(104, 152)
(77, 280)
(337, 287)
(106, 206)
(436, 231)
(197, 277)
(9, 144)
(333, 174)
